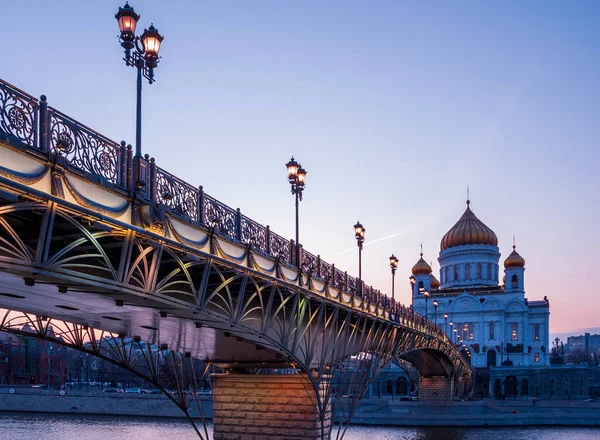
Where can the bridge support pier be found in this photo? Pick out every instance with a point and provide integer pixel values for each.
(258, 406)
(436, 388)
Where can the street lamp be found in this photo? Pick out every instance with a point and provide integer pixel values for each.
(144, 57)
(426, 295)
(393, 266)
(445, 323)
(455, 334)
(359, 234)
(296, 177)
(435, 306)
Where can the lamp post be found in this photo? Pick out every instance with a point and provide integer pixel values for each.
(359, 234)
(141, 53)
(455, 335)
(426, 295)
(296, 178)
(445, 324)
(435, 306)
(393, 266)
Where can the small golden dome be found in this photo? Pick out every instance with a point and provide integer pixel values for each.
(468, 230)
(514, 260)
(435, 284)
(421, 268)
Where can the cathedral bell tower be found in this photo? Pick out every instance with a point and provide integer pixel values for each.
(514, 269)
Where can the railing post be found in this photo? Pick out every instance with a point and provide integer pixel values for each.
(238, 225)
(123, 165)
(345, 285)
(129, 166)
(43, 125)
(292, 249)
(333, 275)
(319, 266)
(152, 194)
(201, 218)
(300, 255)
(268, 239)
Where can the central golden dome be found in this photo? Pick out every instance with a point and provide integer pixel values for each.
(468, 230)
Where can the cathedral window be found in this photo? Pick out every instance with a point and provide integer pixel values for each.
(455, 273)
(536, 332)
(491, 330)
(478, 271)
(468, 271)
(467, 331)
(514, 281)
(515, 335)
(536, 357)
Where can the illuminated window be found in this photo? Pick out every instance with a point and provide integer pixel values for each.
(536, 331)
(491, 330)
(467, 331)
(536, 357)
(515, 335)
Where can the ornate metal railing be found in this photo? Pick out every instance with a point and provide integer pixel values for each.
(43, 128)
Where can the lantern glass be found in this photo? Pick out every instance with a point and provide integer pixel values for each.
(292, 167)
(301, 175)
(127, 19)
(151, 40)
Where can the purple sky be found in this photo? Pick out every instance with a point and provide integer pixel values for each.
(392, 107)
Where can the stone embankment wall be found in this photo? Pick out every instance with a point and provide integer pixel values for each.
(81, 402)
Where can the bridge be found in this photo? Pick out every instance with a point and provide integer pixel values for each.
(108, 253)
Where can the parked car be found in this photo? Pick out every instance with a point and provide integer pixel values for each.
(133, 390)
(155, 391)
(110, 390)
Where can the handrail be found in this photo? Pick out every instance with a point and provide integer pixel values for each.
(46, 129)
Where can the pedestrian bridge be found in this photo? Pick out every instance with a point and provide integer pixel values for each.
(92, 236)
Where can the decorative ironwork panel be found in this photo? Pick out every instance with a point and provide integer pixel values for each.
(326, 271)
(309, 263)
(83, 147)
(340, 279)
(174, 193)
(351, 285)
(254, 234)
(280, 247)
(219, 215)
(18, 114)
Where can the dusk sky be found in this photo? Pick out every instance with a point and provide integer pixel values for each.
(393, 107)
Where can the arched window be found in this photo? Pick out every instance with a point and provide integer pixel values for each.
(524, 387)
(467, 271)
(514, 281)
(566, 388)
(455, 273)
(536, 332)
(401, 386)
(536, 357)
(536, 387)
(390, 387)
(420, 285)
(478, 271)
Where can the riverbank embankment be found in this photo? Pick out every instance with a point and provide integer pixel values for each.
(384, 412)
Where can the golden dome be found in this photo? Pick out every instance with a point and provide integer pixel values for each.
(514, 260)
(421, 268)
(435, 284)
(468, 230)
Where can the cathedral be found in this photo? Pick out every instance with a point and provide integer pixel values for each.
(488, 317)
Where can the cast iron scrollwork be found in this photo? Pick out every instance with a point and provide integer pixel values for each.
(18, 114)
(176, 194)
(219, 216)
(309, 263)
(83, 147)
(254, 234)
(280, 247)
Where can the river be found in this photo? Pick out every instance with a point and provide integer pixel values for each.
(20, 426)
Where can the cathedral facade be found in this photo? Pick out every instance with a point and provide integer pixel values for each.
(489, 317)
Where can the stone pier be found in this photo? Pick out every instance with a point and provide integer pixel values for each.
(436, 388)
(277, 407)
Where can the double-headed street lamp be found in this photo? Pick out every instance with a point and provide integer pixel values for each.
(393, 266)
(141, 53)
(445, 324)
(296, 178)
(426, 295)
(359, 234)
